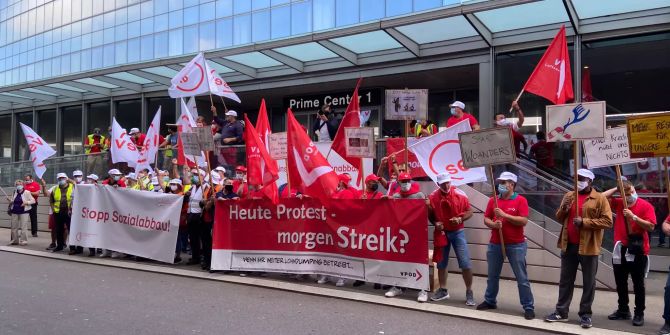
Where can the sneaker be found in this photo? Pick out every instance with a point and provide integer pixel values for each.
(422, 297)
(556, 317)
(57, 249)
(393, 292)
(665, 330)
(618, 315)
(322, 280)
(440, 294)
(340, 282)
(34, 235)
(469, 298)
(486, 306)
(529, 314)
(585, 322)
(51, 246)
(638, 320)
(105, 254)
(23, 243)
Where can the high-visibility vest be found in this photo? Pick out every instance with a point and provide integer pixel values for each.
(57, 195)
(419, 128)
(91, 142)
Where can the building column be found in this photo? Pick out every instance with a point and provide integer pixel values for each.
(59, 132)
(486, 92)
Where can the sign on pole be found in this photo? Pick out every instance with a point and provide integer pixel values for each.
(205, 138)
(360, 142)
(278, 145)
(487, 147)
(610, 150)
(649, 136)
(406, 104)
(190, 144)
(578, 121)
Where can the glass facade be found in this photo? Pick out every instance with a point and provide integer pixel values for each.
(41, 39)
(71, 121)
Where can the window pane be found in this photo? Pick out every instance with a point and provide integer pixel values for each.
(133, 50)
(191, 15)
(176, 4)
(242, 29)
(161, 45)
(96, 57)
(98, 117)
(398, 7)
(109, 35)
(121, 32)
(224, 33)
(207, 12)
(176, 19)
(224, 8)
(191, 40)
(147, 9)
(261, 26)
(121, 53)
(109, 19)
(207, 36)
(122, 16)
(168, 112)
(6, 138)
(147, 26)
(71, 120)
(241, 6)
(129, 113)
(426, 4)
(134, 13)
(160, 7)
(324, 14)
(76, 10)
(47, 126)
(372, 10)
(161, 23)
(85, 60)
(22, 152)
(134, 29)
(346, 12)
(147, 47)
(176, 42)
(301, 18)
(279, 17)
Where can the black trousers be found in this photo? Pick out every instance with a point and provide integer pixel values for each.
(194, 225)
(636, 270)
(206, 238)
(570, 259)
(62, 220)
(33, 219)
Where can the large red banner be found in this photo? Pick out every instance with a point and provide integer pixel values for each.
(382, 241)
(398, 145)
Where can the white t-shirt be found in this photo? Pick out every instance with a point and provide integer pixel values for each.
(323, 133)
(194, 200)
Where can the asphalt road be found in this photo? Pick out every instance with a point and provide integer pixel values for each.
(45, 296)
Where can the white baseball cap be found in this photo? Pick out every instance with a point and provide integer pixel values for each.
(113, 172)
(175, 181)
(92, 177)
(507, 176)
(133, 131)
(132, 176)
(61, 175)
(220, 168)
(231, 113)
(458, 104)
(77, 173)
(443, 178)
(586, 173)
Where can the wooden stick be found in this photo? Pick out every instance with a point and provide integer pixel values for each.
(225, 108)
(576, 167)
(288, 178)
(211, 101)
(667, 180)
(517, 100)
(406, 143)
(623, 196)
(495, 204)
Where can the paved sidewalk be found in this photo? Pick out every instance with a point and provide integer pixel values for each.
(509, 311)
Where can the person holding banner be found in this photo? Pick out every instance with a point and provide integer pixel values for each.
(228, 191)
(372, 188)
(194, 221)
(114, 179)
(665, 330)
(175, 187)
(34, 188)
(458, 114)
(448, 210)
(344, 189)
(634, 220)
(580, 242)
(511, 216)
(19, 209)
(61, 204)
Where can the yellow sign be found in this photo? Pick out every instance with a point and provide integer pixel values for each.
(649, 135)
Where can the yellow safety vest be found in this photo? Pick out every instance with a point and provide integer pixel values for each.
(419, 128)
(57, 195)
(91, 142)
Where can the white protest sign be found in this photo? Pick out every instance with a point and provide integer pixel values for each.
(406, 104)
(190, 144)
(205, 138)
(144, 224)
(359, 142)
(578, 121)
(610, 150)
(277, 145)
(487, 147)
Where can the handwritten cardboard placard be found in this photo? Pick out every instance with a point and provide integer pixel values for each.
(278, 144)
(205, 138)
(579, 121)
(610, 150)
(649, 135)
(190, 144)
(359, 142)
(487, 147)
(406, 104)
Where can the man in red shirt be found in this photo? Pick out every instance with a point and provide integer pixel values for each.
(635, 222)
(30, 185)
(240, 185)
(542, 152)
(458, 114)
(137, 138)
(448, 210)
(94, 145)
(371, 188)
(344, 190)
(115, 179)
(511, 217)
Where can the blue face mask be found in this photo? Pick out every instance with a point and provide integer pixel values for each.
(631, 198)
(453, 111)
(502, 189)
(195, 180)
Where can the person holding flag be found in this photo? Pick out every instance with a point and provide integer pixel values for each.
(232, 130)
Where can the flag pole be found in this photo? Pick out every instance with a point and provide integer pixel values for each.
(667, 180)
(517, 100)
(495, 205)
(211, 101)
(406, 142)
(288, 178)
(576, 167)
(225, 108)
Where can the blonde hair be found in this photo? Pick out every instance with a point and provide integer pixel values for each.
(18, 181)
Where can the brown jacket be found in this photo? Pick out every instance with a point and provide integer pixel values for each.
(597, 216)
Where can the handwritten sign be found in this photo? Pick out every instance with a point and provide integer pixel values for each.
(579, 121)
(610, 150)
(649, 136)
(359, 142)
(190, 144)
(278, 144)
(487, 147)
(205, 138)
(406, 104)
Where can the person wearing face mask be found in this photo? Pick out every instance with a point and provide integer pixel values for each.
(511, 216)
(30, 185)
(344, 189)
(194, 220)
(144, 181)
(78, 177)
(232, 129)
(61, 204)
(114, 179)
(240, 181)
(137, 138)
(94, 146)
(631, 226)
(501, 120)
(169, 144)
(458, 114)
(580, 242)
(175, 187)
(448, 209)
(424, 128)
(372, 188)
(519, 139)
(131, 182)
(22, 201)
(92, 179)
(228, 191)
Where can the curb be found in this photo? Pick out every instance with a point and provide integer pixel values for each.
(465, 313)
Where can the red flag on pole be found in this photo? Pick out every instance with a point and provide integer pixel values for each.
(263, 125)
(587, 91)
(309, 171)
(552, 77)
(262, 170)
(352, 118)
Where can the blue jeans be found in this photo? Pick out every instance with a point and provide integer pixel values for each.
(457, 240)
(666, 300)
(516, 254)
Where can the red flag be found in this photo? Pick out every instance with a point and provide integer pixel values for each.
(552, 77)
(262, 170)
(263, 125)
(587, 92)
(309, 171)
(352, 118)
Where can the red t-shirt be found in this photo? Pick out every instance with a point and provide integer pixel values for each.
(348, 193)
(140, 140)
(641, 208)
(96, 140)
(573, 231)
(394, 187)
(517, 206)
(371, 195)
(544, 153)
(448, 206)
(33, 187)
(452, 120)
(518, 139)
(107, 181)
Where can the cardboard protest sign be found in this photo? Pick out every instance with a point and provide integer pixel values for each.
(277, 145)
(190, 144)
(578, 121)
(649, 136)
(360, 142)
(610, 150)
(205, 138)
(487, 147)
(406, 104)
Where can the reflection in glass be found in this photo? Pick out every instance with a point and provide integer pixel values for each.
(5, 138)
(22, 152)
(72, 141)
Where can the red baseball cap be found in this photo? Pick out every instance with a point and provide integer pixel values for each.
(344, 177)
(404, 176)
(371, 177)
(241, 168)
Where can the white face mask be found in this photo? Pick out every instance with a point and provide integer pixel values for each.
(173, 187)
(239, 176)
(502, 122)
(581, 185)
(405, 186)
(78, 179)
